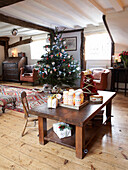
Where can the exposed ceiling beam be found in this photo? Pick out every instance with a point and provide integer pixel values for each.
(117, 5)
(2, 43)
(21, 42)
(72, 4)
(7, 2)
(98, 6)
(15, 21)
(4, 38)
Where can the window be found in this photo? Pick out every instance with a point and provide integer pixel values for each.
(98, 47)
(37, 49)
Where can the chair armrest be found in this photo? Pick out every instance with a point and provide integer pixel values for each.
(22, 70)
(35, 73)
(104, 77)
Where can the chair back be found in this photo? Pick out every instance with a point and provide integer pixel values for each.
(25, 103)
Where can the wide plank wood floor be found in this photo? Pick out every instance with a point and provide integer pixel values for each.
(108, 151)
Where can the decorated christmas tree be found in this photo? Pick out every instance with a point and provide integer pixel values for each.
(57, 67)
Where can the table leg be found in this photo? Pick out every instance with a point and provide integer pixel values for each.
(3, 109)
(42, 125)
(108, 110)
(80, 141)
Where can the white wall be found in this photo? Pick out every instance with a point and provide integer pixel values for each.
(76, 54)
(98, 63)
(1, 58)
(21, 48)
(119, 48)
(25, 48)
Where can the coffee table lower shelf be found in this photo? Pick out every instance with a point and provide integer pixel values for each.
(90, 132)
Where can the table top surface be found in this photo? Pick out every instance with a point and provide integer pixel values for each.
(71, 116)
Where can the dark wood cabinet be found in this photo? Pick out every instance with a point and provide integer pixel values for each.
(119, 75)
(11, 68)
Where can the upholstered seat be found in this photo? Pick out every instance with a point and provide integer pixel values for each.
(100, 77)
(28, 74)
(6, 99)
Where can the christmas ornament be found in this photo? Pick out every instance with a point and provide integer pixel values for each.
(64, 42)
(53, 63)
(60, 54)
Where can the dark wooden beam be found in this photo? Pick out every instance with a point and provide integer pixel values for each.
(4, 38)
(70, 31)
(6, 49)
(27, 41)
(2, 43)
(82, 51)
(22, 23)
(7, 2)
(112, 41)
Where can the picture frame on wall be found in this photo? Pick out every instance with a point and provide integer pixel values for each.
(71, 43)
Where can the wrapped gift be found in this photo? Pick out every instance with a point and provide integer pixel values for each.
(96, 98)
(62, 129)
(52, 102)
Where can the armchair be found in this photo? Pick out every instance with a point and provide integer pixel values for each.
(100, 78)
(28, 74)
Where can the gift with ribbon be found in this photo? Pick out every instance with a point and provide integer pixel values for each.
(62, 129)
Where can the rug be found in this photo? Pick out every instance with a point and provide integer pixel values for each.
(34, 98)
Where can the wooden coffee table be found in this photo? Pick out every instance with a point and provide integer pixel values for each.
(78, 118)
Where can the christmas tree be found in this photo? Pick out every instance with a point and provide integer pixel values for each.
(57, 67)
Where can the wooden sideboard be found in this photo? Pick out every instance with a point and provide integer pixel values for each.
(11, 68)
(119, 75)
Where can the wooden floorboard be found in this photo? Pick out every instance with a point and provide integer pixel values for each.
(108, 151)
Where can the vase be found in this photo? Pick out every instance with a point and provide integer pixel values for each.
(125, 63)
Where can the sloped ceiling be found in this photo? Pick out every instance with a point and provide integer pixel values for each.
(118, 24)
(71, 14)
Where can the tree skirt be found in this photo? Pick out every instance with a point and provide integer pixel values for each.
(34, 98)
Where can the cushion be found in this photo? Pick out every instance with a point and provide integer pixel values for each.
(97, 74)
(6, 99)
(97, 81)
(28, 68)
(27, 74)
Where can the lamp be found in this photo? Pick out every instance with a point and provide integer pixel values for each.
(14, 53)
